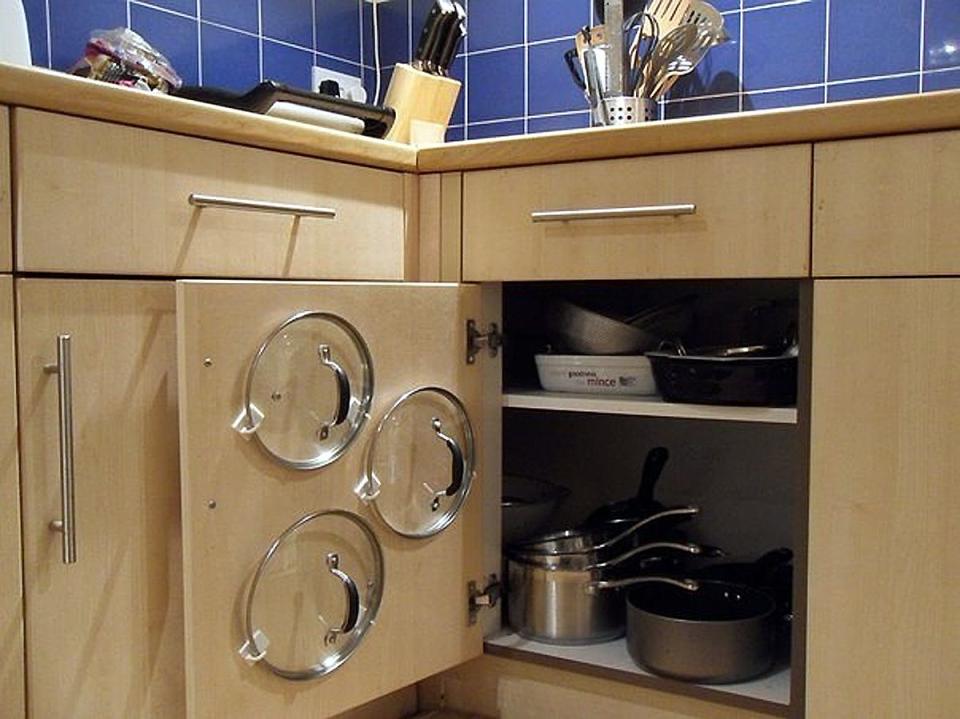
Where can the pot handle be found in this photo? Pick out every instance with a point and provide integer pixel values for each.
(343, 391)
(458, 466)
(353, 599)
(652, 546)
(691, 585)
(674, 512)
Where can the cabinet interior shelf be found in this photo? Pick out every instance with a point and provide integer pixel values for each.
(643, 407)
(769, 694)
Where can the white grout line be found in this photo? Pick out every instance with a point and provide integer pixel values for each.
(826, 49)
(923, 39)
(129, 18)
(49, 41)
(742, 44)
(199, 48)
(526, 66)
(466, 76)
(260, 36)
(768, 6)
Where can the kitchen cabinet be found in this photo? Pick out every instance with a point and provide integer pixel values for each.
(100, 198)
(6, 181)
(236, 498)
(12, 698)
(887, 206)
(883, 626)
(105, 633)
(731, 213)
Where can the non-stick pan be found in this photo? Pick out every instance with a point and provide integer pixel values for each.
(719, 634)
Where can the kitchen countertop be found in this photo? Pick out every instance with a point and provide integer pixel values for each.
(59, 92)
(48, 90)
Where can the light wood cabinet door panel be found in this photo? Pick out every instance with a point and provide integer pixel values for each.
(887, 206)
(95, 197)
(11, 588)
(751, 218)
(883, 620)
(237, 500)
(104, 635)
(6, 181)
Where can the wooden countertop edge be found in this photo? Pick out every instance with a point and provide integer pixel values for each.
(48, 90)
(860, 118)
(57, 92)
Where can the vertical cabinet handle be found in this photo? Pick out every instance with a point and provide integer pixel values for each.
(66, 525)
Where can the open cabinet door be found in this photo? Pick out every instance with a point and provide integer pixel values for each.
(266, 448)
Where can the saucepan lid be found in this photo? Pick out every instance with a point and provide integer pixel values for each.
(314, 595)
(421, 462)
(308, 390)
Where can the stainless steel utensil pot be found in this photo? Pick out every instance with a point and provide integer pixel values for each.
(560, 605)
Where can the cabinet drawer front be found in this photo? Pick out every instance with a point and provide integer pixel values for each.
(750, 218)
(6, 221)
(887, 206)
(102, 198)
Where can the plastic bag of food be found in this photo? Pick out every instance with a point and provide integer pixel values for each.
(122, 57)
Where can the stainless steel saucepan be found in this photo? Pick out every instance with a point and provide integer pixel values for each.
(563, 600)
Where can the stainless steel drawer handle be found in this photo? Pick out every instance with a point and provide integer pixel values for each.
(614, 213)
(274, 208)
(67, 522)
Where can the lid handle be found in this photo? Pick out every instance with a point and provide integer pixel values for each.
(353, 599)
(459, 465)
(343, 391)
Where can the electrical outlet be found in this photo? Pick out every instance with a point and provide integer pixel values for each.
(351, 87)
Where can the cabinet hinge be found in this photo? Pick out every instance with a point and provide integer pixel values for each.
(477, 599)
(492, 340)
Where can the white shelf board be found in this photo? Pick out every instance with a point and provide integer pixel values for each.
(773, 688)
(643, 407)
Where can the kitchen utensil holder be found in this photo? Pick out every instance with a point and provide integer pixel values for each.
(628, 110)
(424, 104)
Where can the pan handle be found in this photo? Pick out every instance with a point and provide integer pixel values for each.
(652, 546)
(674, 512)
(691, 585)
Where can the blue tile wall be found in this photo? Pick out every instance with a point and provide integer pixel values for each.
(223, 43)
(782, 53)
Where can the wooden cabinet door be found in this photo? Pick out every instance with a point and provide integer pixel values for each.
(6, 181)
(236, 499)
(11, 588)
(883, 618)
(105, 634)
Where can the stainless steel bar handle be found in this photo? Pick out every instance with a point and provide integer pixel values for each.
(614, 213)
(275, 208)
(691, 585)
(67, 523)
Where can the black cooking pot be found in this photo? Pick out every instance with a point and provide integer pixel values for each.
(720, 633)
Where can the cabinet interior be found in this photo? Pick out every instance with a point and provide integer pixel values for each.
(745, 470)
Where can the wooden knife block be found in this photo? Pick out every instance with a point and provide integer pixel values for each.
(424, 104)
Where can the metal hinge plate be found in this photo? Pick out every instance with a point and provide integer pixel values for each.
(492, 340)
(477, 599)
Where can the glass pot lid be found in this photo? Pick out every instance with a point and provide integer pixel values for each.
(308, 390)
(315, 593)
(420, 465)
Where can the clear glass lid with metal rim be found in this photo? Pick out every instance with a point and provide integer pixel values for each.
(314, 595)
(308, 390)
(420, 464)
